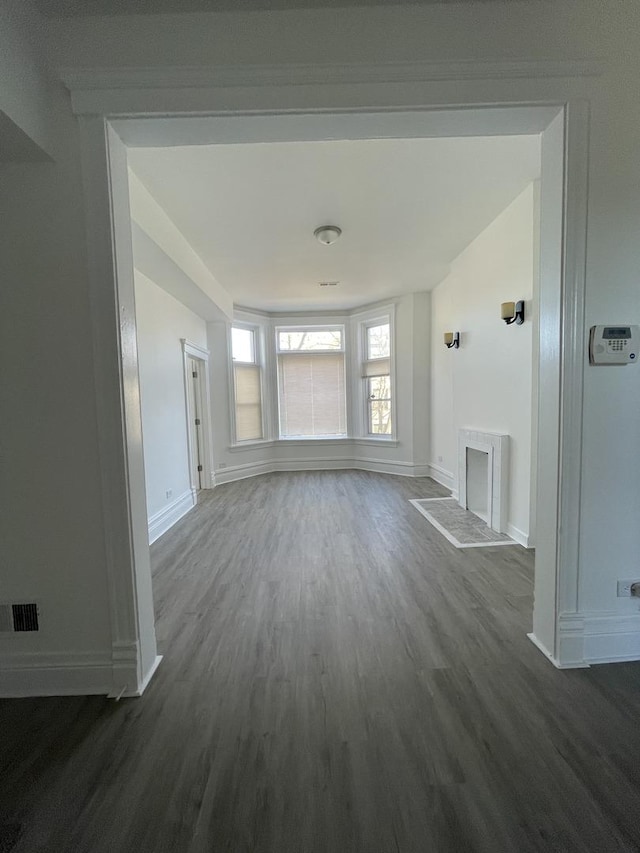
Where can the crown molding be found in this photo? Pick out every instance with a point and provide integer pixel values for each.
(231, 76)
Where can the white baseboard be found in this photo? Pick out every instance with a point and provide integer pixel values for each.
(421, 470)
(570, 641)
(518, 535)
(134, 692)
(327, 463)
(149, 675)
(69, 674)
(442, 476)
(597, 637)
(611, 637)
(536, 642)
(168, 515)
(55, 674)
(385, 466)
(240, 472)
(568, 664)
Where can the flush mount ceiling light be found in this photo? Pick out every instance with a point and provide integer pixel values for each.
(327, 234)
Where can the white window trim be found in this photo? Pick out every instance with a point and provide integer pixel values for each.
(298, 324)
(259, 356)
(363, 321)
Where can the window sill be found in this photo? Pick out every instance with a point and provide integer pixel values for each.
(372, 439)
(312, 442)
(250, 445)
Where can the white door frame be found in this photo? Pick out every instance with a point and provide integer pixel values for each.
(191, 350)
(100, 98)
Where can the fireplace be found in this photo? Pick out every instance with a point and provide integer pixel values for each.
(483, 476)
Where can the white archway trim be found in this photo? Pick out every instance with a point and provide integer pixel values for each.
(97, 87)
(495, 85)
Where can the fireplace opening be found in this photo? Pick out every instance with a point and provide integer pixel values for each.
(478, 484)
(483, 476)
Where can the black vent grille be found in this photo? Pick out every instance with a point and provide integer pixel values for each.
(25, 617)
(10, 834)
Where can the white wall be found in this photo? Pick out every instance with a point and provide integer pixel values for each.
(26, 88)
(52, 545)
(406, 455)
(486, 384)
(161, 322)
(163, 253)
(351, 35)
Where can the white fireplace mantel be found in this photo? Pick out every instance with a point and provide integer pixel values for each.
(496, 446)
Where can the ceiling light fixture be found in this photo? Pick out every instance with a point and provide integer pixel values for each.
(327, 234)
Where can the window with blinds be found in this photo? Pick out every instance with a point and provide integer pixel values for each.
(247, 385)
(311, 382)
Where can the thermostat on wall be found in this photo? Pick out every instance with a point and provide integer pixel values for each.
(614, 344)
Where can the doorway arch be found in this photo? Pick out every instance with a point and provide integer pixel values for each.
(145, 106)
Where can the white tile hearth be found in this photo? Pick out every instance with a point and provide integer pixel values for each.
(462, 528)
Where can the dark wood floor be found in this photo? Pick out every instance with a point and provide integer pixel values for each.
(337, 678)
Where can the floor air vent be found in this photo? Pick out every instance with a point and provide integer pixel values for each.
(18, 617)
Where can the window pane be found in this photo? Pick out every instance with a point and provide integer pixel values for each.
(378, 341)
(305, 340)
(312, 395)
(380, 417)
(380, 388)
(379, 405)
(242, 348)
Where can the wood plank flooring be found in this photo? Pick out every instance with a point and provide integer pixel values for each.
(337, 678)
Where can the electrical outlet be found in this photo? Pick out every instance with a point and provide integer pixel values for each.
(169, 493)
(439, 458)
(624, 588)
(222, 465)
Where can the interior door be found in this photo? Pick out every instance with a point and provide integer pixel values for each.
(195, 420)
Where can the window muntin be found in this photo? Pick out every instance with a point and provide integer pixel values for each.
(311, 382)
(247, 385)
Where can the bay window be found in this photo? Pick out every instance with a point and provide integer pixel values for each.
(305, 382)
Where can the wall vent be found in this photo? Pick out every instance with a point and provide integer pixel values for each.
(18, 617)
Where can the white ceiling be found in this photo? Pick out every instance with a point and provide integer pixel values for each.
(407, 208)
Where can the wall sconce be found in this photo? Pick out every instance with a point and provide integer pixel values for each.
(513, 312)
(452, 339)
